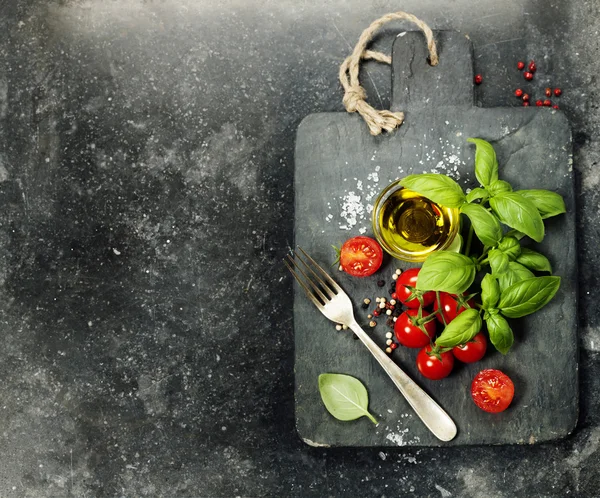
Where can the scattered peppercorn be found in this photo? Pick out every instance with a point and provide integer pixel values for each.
(532, 67)
(547, 103)
(394, 277)
(382, 305)
(398, 271)
(520, 65)
(388, 342)
(376, 313)
(338, 327)
(525, 97)
(548, 92)
(369, 316)
(554, 106)
(539, 102)
(395, 318)
(394, 295)
(518, 92)
(526, 103)
(388, 312)
(389, 322)
(557, 92)
(372, 323)
(366, 300)
(478, 79)
(393, 302)
(380, 283)
(344, 327)
(388, 335)
(528, 75)
(393, 345)
(388, 350)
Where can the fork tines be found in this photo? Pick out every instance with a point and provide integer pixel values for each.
(318, 285)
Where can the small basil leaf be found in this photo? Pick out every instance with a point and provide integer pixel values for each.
(528, 296)
(440, 189)
(547, 203)
(498, 262)
(460, 330)
(490, 292)
(520, 213)
(515, 233)
(486, 225)
(486, 164)
(515, 273)
(501, 335)
(345, 397)
(511, 247)
(534, 260)
(498, 187)
(448, 272)
(477, 193)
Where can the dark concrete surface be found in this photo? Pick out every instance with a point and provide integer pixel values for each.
(147, 201)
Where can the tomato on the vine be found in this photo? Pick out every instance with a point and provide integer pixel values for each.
(407, 292)
(471, 351)
(451, 307)
(361, 256)
(409, 333)
(433, 368)
(492, 390)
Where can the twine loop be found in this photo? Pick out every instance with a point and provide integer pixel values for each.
(354, 94)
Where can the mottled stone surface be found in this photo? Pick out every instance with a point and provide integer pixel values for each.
(147, 200)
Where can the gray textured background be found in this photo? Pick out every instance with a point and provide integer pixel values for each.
(147, 200)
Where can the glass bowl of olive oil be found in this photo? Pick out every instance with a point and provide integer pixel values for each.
(409, 226)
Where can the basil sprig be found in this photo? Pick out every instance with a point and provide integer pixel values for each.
(500, 218)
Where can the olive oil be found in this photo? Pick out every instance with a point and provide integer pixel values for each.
(410, 226)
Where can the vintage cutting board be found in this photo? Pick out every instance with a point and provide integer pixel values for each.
(337, 160)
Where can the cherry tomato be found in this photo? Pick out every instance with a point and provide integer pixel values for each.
(361, 256)
(406, 295)
(450, 307)
(492, 390)
(431, 367)
(410, 335)
(472, 351)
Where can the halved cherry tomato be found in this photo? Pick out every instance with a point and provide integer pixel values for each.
(361, 256)
(411, 335)
(472, 351)
(450, 307)
(406, 290)
(431, 367)
(492, 390)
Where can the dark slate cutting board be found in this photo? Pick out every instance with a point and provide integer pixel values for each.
(335, 155)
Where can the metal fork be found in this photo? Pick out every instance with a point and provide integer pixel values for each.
(335, 304)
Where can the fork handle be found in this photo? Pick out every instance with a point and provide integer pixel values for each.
(432, 414)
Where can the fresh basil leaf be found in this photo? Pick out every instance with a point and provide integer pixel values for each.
(490, 291)
(498, 187)
(520, 213)
(498, 262)
(515, 273)
(528, 296)
(460, 330)
(345, 397)
(515, 233)
(486, 225)
(447, 271)
(534, 260)
(486, 164)
(511, 247)
(440, 189)
(477, 193)
(456, 244)
(501, 335)
(547, 203)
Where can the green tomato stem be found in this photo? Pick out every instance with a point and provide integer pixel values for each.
(439, 310)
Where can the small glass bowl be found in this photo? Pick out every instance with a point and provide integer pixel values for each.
(415, 253)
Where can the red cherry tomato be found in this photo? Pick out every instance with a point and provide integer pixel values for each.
(406, 281)
(492, 390)
(361, 256)
(450, 307)
(410, 335)
(431, 367)
(472, 351)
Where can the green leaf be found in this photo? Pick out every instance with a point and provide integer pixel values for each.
(534, 260)
(490, 292)
(515, 273)
(498, 187)
(486, 225)
(486, 164)
(520, 213)
(547, 203)
(447, 271)
(501, 335)
(511, 247)
(477, 193)
(344, 396)
(440, 189)
(528, 296)
(498, 262)
(456, 244)
(460, 330)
